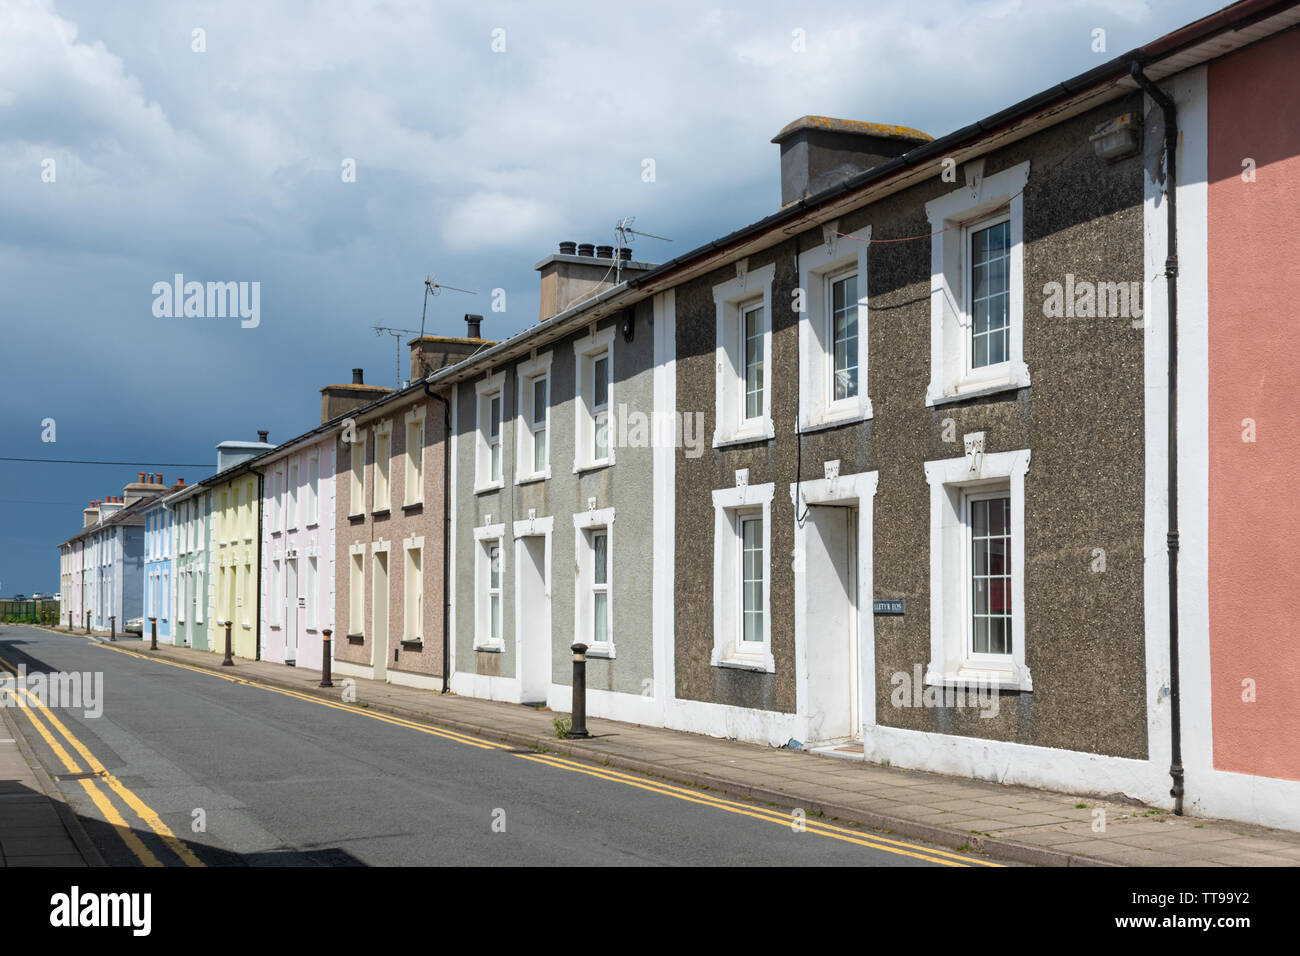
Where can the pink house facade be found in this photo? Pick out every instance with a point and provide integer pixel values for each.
(297, 550)
(1238, 429)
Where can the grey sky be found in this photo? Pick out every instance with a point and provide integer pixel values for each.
(472, 164)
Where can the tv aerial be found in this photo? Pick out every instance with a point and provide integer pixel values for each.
(623, 232)
(433, 287)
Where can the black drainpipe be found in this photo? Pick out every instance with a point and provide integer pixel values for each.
(261, 479)
(1170, 111)
(446, 536)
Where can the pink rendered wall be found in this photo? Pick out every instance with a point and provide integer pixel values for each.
(1254, 356)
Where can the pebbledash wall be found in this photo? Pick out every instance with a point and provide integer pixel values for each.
(297, 552)
(388, 595)
(545, 526)
(1077, 428)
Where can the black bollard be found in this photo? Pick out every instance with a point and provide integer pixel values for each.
(325, 659)
(579, 726)
(87, 622)
(229, 661)
(112, 623)
(153, 633)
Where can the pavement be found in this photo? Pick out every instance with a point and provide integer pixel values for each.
(36, 826)
(997, 822)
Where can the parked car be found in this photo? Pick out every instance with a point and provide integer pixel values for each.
(135, 625)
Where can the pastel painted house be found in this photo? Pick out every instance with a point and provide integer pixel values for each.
(297, 549)
(112, 546)
(159, 605)
(234, 559)
(191, 521)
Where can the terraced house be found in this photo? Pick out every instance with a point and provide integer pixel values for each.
(553, 491)
(389, 515)
(234, 548)
(297, 549)
(159, 564)
(192, 519)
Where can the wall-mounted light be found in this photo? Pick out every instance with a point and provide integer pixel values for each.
(629, 325)
(1118, 138)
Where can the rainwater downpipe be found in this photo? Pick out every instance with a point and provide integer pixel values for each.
(446, 536)
(1170, 111)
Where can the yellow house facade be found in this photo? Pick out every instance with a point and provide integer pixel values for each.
(234, 556)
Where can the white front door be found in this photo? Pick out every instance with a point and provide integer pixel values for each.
(830, 621)
(534, 616)
(290, 610)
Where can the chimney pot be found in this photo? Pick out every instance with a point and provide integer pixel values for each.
(474, 326)
(625, 254)
(586, 249)
(141, 478)
(358, 376)
(261, 436)
(604, 252)
(180, 481)
(160, 481)
(568, 248)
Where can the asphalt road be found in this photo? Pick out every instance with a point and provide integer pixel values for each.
(280, 780)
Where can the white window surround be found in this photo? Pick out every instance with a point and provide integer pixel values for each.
(950, 481)
(817, 405)
(730, 299)
(950, 215)
(585, 352)
(357, 476)
(528, 372)
(413, 492)
(486, 536)
(412, 610)
(383, 482)
(356, 589)
(728, 505)
(484, 391)
(598, 519)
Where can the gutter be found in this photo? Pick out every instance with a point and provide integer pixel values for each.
(1170, 111)
(261, 490)
(446, 536)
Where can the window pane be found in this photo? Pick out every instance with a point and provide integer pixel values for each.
(990, 297)
(990, 575)
(599, 544)
(494, 417)
(844, 335)
(752, 569)
(496, 616)
(496, 461)
(600, 618)
(539, 450)
(494, 567)
(600, 383)
(754, 364)
(539, 401)
(600, 445)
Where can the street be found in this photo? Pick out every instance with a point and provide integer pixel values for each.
(200, 769)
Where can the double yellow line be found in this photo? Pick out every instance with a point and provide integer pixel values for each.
(105, 806)
(843, 834)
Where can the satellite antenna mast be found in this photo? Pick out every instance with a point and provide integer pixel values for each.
(623, 231)
(432, 287)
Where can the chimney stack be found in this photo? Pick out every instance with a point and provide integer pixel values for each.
(434, 352)
(580, 271)
(262, 436)
(336, 400)
(818, 152)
